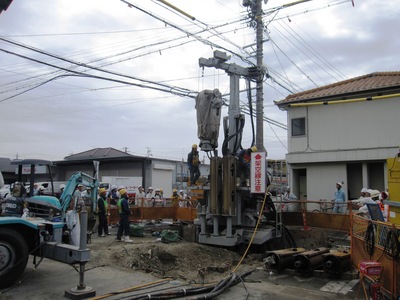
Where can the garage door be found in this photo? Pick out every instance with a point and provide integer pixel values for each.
(163, 179)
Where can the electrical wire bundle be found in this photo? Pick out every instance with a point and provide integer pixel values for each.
(208, 292)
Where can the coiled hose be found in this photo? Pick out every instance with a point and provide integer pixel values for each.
(370, 238)
(392, 244)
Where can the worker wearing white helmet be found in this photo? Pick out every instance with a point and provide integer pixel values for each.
(113, 195)
(149, 196)
(340, 199)
(140, 195)
(62, 187)
(363, 192)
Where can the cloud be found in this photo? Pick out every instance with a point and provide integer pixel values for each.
(322, 43)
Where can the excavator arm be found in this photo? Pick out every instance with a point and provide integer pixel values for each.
(75, 179)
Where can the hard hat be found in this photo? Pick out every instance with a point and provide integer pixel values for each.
(174, 190)
(121, 187)
(339, 183)
(122, 192)
(62, 186)
(375, 193)
(253, 149)
(161, 190)
(157, 190)
(181, 191)
(79, 185)
(150, 188)
(364, 190)
(194, 146)
(41, 188)
(102, 190)
(113, 187)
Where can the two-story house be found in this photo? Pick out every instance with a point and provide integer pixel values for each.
(343, 132)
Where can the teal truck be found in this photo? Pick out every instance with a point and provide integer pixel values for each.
(35, 225)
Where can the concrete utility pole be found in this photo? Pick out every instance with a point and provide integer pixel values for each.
(260, 81)
(257, 21)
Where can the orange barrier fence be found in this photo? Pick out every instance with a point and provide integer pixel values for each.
(139, 214)
(373, 241)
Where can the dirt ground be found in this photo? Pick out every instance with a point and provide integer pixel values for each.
(187, 261)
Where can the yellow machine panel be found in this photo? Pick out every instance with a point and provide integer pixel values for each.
(393, 167)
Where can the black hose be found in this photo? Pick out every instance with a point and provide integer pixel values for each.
(392, 244)
(287, 236)
(226, 283)
(370, 239)
(173, 293)
(251, 112)
(209, 292)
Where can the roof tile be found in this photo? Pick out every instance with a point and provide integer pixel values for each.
(373, 81)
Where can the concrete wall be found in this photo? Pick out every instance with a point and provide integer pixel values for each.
(321, 181)
(349, 131)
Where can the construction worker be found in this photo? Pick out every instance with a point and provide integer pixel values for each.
(340, 199)
(193, 163)
(72, 217)
(243, 166)
(149, 196)
(124, 212)
(175, 198)
(113, 195)
(62, 187)
(139, 199)
(102, 213)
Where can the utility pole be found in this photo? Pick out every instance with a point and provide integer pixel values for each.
(256, 15)
(260, 80)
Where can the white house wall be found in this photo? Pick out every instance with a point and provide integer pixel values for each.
(346, 132)
(321, 182)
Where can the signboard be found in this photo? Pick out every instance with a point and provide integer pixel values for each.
(258, 173)
(26, 169)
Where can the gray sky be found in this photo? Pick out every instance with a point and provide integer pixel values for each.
(48, 112)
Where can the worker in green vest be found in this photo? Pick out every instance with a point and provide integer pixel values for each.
(124, 212)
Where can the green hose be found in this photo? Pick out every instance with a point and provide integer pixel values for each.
(169, 236)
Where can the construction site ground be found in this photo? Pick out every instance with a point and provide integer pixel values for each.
(148, 265)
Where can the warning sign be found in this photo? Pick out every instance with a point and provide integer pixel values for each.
(258, 173)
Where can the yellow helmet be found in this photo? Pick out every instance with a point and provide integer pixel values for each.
(102, 190)
(122, 191)
(174, 190)
(194, 146)
(253, 149)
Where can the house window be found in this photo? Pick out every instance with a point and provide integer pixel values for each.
(298, 126)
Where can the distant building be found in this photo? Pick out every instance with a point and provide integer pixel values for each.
(147, 171)
(343, 132)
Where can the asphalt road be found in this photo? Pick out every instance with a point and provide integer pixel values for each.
(51, 279)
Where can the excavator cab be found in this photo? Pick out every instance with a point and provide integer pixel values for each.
(23, 200)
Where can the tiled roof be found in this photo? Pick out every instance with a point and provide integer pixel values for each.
(98, 153)
(373, 82)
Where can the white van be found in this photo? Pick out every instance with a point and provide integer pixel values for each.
(47, 187)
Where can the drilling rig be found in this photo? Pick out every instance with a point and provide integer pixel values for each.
(232, 214)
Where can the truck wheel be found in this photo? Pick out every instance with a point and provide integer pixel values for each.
(13, 256)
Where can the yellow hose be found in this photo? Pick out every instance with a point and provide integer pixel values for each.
(254, 233)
